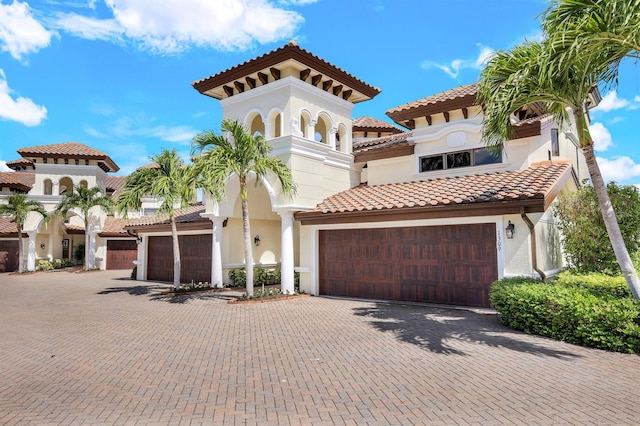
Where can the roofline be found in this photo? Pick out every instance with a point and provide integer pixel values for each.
(490, 208)
(287, 52)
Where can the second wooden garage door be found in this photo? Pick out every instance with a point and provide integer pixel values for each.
(121, 254)
(195, 258)
(9, 255)
(439, 264)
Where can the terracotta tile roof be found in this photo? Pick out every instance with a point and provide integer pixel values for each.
(20, 163)
(447, 95)
(187, 215)
(290, 50)
(535, 182)
(22, 181)
(373, 124)
(74, 229)
(383, 142)
(115, 184)
(114, 226)
(70, 150)
(8, 227)
(457, 98)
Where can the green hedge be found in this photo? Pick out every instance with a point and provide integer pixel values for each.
(266, 276)
(590, 310)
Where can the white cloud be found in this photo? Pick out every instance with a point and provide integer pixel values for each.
(611, 102)
(457, 65)
(139, 125)
(616, 119)
(178, 25)
(619, 168)
(636, 99)
(89, 28)
(20, 32)
(601, 137)
(22, 110)
(93, 132)
(178, 134)
(3, 167)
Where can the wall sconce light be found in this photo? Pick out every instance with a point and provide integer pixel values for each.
(256, 240)
(510, 230)
(42, 246)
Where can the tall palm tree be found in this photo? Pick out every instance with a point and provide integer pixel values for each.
(578, 27)
(535, 73)
(84, 199)
(18, 207)
(236, 152)
(171, 181)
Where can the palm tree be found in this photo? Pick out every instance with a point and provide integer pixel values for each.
(84, 199)
(236, 152)
(578, 27)
(171, 181)
(19, 207)
(536, 73)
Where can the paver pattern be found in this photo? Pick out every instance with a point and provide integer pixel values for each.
(97, 348)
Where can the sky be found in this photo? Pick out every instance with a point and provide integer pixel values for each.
(116, 74)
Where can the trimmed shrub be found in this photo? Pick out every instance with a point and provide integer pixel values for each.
(573, 309)
(238, 277)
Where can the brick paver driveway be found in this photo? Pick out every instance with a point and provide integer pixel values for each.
(97, 348)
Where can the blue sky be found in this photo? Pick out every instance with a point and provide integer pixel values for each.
(116, 74)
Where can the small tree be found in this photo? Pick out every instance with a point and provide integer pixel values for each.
(18, 207)
(84, 199)
(236, 152)
(585, 240)
(171, 181)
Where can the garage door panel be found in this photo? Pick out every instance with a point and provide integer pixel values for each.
(121, 254)
(195, 258)
(9, 255)
(443, 264)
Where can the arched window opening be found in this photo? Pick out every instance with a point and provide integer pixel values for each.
(66, 184)
(48, 187)
(321, 131)
(84, 183)
(257, 125)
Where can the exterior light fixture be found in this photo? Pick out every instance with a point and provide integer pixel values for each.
(510, 230)
(256, 240)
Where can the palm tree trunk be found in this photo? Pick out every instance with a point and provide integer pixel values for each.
(611, 222)
(176, 253)
(248, 255)
(87, 240)
(20, 254)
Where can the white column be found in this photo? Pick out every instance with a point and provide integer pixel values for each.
(332, 137)
(216, 253)
(286, 263)
(31, 251)
(310, 133)
(50, 247)
(91, 264)
(55, 188)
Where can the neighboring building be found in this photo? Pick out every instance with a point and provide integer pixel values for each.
(425, 213)
(45, 173)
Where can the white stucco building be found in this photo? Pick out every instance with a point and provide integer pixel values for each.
(418, 211)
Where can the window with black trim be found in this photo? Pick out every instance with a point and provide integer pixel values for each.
(454, 160)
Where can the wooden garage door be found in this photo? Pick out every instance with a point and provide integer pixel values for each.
(438, 264)
(195, 258)
(8, 255)
(121, 254)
